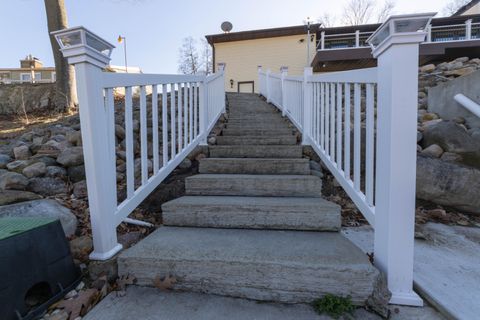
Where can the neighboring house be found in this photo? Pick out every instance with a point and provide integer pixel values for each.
(473, 7)
(31, 70)
(243, 52)
(332, 49)
(123, 69)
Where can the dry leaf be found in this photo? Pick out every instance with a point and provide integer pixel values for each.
(165, 284)
(79, 305)
(122, 283)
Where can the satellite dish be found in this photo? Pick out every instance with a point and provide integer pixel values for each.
(227, 26)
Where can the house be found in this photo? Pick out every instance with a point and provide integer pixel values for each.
(333, 49)
(473, 7)
(31, 70)
(242, 52)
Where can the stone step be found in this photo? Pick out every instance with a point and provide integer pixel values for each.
(257, 132)
(281, 152)
(315, 214)
(257, 140)
(253, 185)
(267, 265)
(260, 126)
(254, 166)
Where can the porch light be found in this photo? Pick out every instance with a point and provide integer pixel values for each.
(409, 27)
(79, 44)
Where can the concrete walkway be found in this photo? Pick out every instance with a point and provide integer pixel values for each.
(447, 266)
(153, 304)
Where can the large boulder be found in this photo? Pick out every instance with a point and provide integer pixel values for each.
(12, 180)
(452, 137)
(14, 196)
(4, 160)
(71, 157)
(448, 184)
(47, 186)
(45, 208)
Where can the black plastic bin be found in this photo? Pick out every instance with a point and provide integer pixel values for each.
(36, 266)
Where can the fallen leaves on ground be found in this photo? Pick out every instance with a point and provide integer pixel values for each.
(165, 283)
(79, 305)
(122, 283)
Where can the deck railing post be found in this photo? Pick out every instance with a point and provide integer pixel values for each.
(429, 33)
(97, 127)
(357, 38)
(221, 69)
(468, 29)
(260, 85)
(307, 106)
(398, 58)
(284, 72)
(267, 77)
(322, 40)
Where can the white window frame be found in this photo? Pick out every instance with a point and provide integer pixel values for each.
(28, 74)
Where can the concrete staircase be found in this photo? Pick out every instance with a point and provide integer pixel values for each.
(253, 223)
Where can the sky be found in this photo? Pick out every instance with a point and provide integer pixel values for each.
(155, 28)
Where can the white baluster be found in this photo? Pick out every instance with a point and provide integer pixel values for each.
(180, 119)
(339, 126)
(347, 163)
(143, 135)
(129, 150)
(172, 120)
(356, 135)
(156, 160)
(164, 125)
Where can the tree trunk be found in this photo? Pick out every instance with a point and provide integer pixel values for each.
(66, 94)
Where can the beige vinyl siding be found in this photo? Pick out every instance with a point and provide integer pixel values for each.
(243, 57)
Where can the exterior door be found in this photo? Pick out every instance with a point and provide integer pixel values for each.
(246, 86)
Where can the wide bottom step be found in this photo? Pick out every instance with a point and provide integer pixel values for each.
(283, 266)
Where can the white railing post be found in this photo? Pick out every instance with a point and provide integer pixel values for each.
(267, 81)
(429, 33)
(97, 125)
(259, 73)
(203, 112)
(468, 29)
(221, 69)
(322, 40)
(357, 38)
(307, 106)
(398, 57)
(284, 72)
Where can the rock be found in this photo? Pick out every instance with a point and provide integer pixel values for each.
(448, 184)
(461, 59)
(14, 196)
(427, 68)
(35, 170)
(212, 140)
(119, 132)
(109, 268)
(56, 172)
(419, 136)
(451, 157)
(130, 238)
(71, 157)
(429, 117)
(80, 189)
(380, 297)
(47, 186)
(185, 164)
(453, 138)
(4, 160)
(76, 173)
(22, 152)
(45, 208)
(12, 181)
(460, 72)
(433, 151)
(315, 166)
(49, 150)
(81, 246)
(18, 165)
(454, 65)
(75, 138)
(47, 160)
(431, 123)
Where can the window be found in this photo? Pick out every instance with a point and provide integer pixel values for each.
(38, 76)
(25, 77)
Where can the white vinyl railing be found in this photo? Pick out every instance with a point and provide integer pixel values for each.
(468, 104)
(362, 124)
(164, 125)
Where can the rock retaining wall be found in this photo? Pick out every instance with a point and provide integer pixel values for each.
(26, 97)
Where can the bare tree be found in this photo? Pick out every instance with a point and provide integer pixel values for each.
(385, 10)
(358, 12)
(207, 57)
(327, 20)
(453, 6)
(66, 95)
(188, 60)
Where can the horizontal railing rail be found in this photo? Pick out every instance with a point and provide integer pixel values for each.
(442, 33)
(468, 104)
(147, 122)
